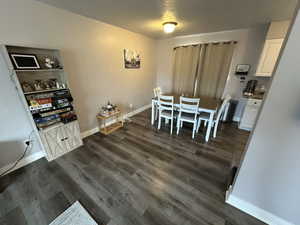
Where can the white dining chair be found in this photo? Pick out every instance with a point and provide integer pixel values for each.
(188, 112)
(156, 92)
(166, 110)
(205, 116)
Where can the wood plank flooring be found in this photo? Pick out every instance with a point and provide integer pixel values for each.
(135, 176)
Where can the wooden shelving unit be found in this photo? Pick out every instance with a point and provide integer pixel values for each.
(50, 110)
(111, 128)
(106, 127)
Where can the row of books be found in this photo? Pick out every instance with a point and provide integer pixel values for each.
(56, 118)
(50, 108)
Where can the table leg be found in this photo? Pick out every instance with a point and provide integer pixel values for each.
(120, 118)
(152, 112)
(210, 123)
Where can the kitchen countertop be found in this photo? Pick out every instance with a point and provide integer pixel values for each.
(258, 97)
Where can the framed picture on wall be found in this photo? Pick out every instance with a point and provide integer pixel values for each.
(242, 69)
(25, 61)
(132, 59)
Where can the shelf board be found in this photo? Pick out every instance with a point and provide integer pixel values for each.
(39, 70)
(49, 90)
(111, 128)
(52, 126)
(107, 116)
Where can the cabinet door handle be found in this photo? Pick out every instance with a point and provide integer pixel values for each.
(63, 139)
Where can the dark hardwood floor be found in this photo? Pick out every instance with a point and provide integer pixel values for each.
(135, 176)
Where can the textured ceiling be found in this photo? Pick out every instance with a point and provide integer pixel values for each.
(194, 16)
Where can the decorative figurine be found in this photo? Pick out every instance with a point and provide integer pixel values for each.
(27, 87)
(52, 83)
(108, 109)
(38, 85)
(49, 63)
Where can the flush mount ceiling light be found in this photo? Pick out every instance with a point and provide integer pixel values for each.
(169, 27)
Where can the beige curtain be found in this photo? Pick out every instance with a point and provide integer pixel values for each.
(202, 70)
(185, 64)
(213, 69)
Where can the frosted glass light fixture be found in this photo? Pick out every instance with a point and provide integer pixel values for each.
(169, 27)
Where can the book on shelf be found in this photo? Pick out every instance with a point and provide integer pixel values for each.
(51, 107)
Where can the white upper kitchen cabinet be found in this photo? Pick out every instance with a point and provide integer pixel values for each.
(269, 57)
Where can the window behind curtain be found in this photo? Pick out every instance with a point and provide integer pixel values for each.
(185, 69)
(202, 70)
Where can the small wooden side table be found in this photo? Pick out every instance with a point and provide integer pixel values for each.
(107, 129)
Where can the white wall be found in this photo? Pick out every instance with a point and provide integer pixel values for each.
(268, 180)
(249, 47)
(15, 127)
(93, 56)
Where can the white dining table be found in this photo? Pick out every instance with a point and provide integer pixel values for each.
(206, 104)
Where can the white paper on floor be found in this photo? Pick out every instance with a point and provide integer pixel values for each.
(74, 215)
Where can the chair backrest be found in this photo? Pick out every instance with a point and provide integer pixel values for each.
(189, 105)
(223, 107)
(165, 102)
(154, 92)
(157, 91)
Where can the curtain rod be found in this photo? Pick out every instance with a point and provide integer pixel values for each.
(206, 43)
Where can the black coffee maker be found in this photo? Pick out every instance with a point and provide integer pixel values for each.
(250, 88)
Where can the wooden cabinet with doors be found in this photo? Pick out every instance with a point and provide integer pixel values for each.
(269, 57)
(61, 139)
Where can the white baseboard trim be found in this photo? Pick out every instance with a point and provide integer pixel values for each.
(141, 109)
(27, 160)
(255, 211)
(87, 133)
(228, 193)
(245, 128)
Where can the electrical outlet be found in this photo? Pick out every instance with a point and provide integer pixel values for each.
(27, 142)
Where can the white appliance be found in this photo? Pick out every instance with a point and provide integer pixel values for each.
(250, 113)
